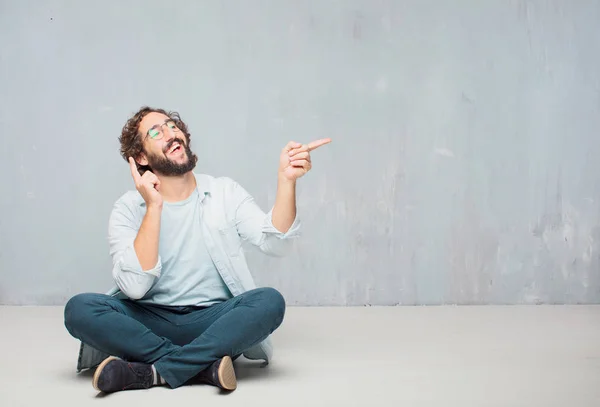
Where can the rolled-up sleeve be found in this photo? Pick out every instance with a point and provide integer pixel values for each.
(127, 271)
(256, 226)
(268, 227)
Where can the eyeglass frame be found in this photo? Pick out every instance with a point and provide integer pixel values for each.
(158, 127)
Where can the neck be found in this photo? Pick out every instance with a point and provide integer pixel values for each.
(177, 188)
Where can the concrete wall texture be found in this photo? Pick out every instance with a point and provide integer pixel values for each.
(464, 168)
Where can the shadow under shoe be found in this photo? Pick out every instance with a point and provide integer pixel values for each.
(115, 374)
(220, 373)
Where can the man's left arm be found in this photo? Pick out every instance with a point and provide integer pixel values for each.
(271, 232)
(284, 209)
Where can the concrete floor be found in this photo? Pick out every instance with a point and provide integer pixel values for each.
(403, 356)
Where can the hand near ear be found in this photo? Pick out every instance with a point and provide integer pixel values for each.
(147, 185)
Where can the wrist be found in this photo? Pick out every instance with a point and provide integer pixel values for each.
(154, 207)
(284, 181)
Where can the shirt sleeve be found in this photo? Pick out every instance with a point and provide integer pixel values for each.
(127, 271)
(256, 226)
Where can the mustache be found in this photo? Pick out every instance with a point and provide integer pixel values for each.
(173, 141)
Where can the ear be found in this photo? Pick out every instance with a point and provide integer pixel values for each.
(142, 160)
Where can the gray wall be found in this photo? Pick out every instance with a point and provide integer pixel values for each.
(464, 168)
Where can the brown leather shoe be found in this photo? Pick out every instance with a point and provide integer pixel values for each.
(114, 374)
(221, 374)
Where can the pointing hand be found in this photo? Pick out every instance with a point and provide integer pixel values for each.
(295, 160)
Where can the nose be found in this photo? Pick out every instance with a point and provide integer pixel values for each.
(168, 134)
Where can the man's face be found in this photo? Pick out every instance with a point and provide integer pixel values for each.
(165, 149)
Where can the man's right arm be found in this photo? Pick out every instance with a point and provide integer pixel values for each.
(146, 241)
(134, 248)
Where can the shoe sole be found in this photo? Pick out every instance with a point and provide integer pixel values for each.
(99, 371)
(226, 373)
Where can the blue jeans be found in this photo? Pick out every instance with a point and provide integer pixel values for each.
(179, 341)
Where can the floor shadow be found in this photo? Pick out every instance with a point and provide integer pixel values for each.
(86, 375)
(248, 370)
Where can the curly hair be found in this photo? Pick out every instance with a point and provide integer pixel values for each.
(132, 140)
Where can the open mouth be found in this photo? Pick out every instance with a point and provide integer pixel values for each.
(175, 148)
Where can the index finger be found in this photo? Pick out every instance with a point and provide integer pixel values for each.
(318, 143)
(134, 171)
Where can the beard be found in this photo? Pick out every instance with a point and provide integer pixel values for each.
(164, 166)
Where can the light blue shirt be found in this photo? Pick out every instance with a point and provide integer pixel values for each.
(189, 276)
(229, 216)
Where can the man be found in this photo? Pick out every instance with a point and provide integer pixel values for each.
(185, 304)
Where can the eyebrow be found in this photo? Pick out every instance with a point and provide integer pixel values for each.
(158, 125)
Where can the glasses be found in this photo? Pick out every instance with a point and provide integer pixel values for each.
(156, 133)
